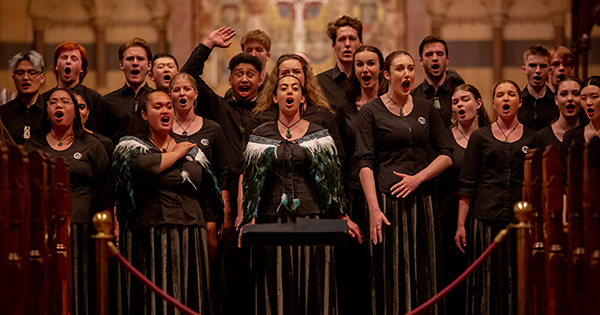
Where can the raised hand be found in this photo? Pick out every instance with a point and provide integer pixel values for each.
(220, 38)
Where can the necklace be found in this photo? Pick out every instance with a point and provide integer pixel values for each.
(391, 99)
(184, 133)
(462, 134)
(561, 126)
(163, 149)
(594, 129)
(60, 143)
(288, 133)
(506, 136)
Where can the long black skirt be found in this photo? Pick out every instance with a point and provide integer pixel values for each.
(175, 258)
(491, 289)
(353, 263)
(293, 280)
(84, 268)
(407, 264)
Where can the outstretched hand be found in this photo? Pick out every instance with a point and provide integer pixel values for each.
(220, 38)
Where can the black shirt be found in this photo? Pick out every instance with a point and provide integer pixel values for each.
(211, 140)
(333, 84)
(21, 122)
(164, 197)
(115, 116)
(575, 135)
(108, 145)
(537, 113)
(289, 174)
(386, 143)
(234, 116)
(89, 173)
(492, 173)
(91, 96)
(346, 117)
(443, 94)
(548, 136)
(448, 186)
(314, 114)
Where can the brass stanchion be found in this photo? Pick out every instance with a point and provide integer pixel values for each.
(523, 212)
(103, 224)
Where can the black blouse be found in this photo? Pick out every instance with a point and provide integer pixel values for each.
(288, 175)
(575, 135)
(549, 137)
(386, 143)
(89, 169)
(448, 184)
(166, 197)
(492, 173)
(211, 140)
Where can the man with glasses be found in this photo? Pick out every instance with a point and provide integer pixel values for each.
(23, 115)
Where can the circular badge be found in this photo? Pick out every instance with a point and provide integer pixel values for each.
(189, 158)
(204, 141)
(422, 120)
(77, 155)
(525, 149)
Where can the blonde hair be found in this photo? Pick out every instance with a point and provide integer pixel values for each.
(314, 94)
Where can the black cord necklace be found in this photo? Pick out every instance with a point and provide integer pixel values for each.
(288, 133)
(184, 133)
(505, 136)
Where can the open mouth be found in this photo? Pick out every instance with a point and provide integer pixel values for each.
(135, 72)
(570, 108)
(506, 107)
(461, 113)
(406, 85)
(366, 79)
(435, 66)
(244, 91)
(537, 78)
(289, 101)
(67, 70)
(167, 78)
(590, 110)
(561, 77)
(59, 114)
(25, 85)
(182, 101)
(165, 119)
(348, 52)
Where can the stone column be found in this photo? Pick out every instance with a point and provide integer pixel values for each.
(497, 11)
(397, 37)
(557, 10)
(100, 25)
(437, 10)
(160, 11)
(100, 12)
(160, 24)
(39, 27)
(498, 22)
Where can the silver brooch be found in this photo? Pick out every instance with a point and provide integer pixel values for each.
(77, 155)
(204, 142)
(422, 120)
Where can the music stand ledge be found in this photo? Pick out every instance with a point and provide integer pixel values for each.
(304, 232)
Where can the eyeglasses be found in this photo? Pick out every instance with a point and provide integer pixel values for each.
(31, 73)
(53, 102)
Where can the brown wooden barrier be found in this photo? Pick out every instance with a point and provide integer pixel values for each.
(35, 209)
(562, 266)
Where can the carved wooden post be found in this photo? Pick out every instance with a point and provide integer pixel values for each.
(576, 249)
(39, 255)
(4, 227)
(18, 240)
(532, 192)
(523, 211)
(555, 242)
(591, 219)
(61, 202)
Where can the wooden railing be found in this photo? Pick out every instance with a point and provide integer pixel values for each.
(561, 270)
(35, 207)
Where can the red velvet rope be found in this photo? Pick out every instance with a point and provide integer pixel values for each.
(456, 281)
(184, 309)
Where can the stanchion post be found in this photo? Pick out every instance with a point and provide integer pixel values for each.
(523, 212)
(103, 224)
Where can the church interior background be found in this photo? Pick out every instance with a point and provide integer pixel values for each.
(486, 38)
